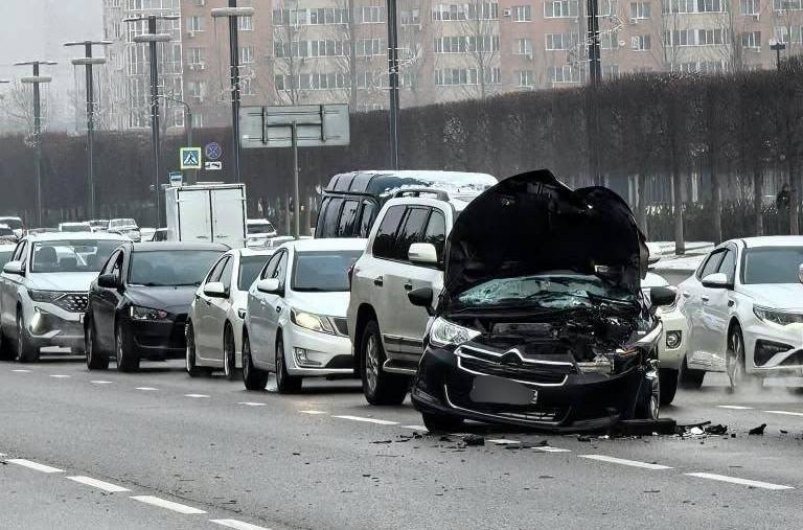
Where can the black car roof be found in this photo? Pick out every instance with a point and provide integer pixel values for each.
(154, 246)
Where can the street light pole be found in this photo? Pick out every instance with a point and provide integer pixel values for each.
(187, 126)
(393, 82)
(595, 74)
(152, 38)
(233, 13)
(89, 62)
(36, 80)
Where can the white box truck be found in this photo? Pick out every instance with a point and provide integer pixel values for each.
(211, 213)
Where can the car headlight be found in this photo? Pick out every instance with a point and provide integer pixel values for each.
(444, 333)
(148, 313)
(312, 322)
(44, 296)
(777, 317)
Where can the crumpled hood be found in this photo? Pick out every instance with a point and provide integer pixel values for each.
(73, 282)
(532, 223)
(175, 300)
(775, 295)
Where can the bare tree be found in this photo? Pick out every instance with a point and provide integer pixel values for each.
(480, 29)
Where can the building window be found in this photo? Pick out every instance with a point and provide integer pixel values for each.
(751, 39)
(560, 9)
(750, 7)
(370, 15)
(410, 18)
(328, 15)
(788, 5)
(782, 34)
(641, 42)
(245, 23)
(197, 121)
(709, 6)
(563, 74)
(195, 24)
(522, 13)
(366, 47)
(683, 37)
(247, 55)
(559, 41)
(247, 86)
(610, 71)
(523, 47)
(196, 89)
(640, 10)
(196, 57)
(525, 78)
(452, 12)
(609, 40)
(456, 77)
(199, 3)
(711, 37)
(680, 6)
(607, 8)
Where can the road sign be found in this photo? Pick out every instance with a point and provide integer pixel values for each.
(213, 166)
(213, 151)
(191, 158)
(316, 126)
(176, 178)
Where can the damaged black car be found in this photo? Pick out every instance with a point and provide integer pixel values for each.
(541, 321)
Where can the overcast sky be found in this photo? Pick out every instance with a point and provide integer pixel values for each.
(38, 29)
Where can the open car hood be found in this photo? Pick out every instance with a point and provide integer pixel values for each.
(532, 223)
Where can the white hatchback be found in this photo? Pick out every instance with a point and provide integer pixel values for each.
(295, 323)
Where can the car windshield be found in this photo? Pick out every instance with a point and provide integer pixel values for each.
(6, 231)
(75, 228)
(260, 228)
(323, 271)
(171, 267)
(249, 270)
(14, 224)
(79, 255)
(98, 223)
(548, 291)
(122, 223)
(772, 265)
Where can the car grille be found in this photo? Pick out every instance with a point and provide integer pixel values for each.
(74, 303)
(341, 325)
(485, 362)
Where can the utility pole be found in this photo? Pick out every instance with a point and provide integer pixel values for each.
(393, 78)
(595, 74)
(88, 61)
(152, 38)
(36, 79)
(233, 13)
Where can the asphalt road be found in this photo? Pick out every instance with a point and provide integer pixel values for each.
(158, 449)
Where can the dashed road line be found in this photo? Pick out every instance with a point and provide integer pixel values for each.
(21, 371)
(504, 441)
(252, 404)
(168, 505)
(784, 412)
(625, 462)
(313, 412)
(550, 449)
(146, 388)
(60, 376)
(741, 481)
(34, 465)
(367, 420)
(196, 396)
(237, 525)
(734, 407)
(100, 382)
(416, 427)
(99, 484)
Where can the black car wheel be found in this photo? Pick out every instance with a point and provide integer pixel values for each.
(669, 384)
(126, 360)
(734, 358)
(379, 387)
(192, 369)
(689, 378)
(648, 401)
(95, 360)
(253, 378)
(441, 423)
(229, 359)
(6, 351)
(26, 353)
(285, 383)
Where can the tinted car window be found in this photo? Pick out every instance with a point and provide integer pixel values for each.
(711, 265)
(386, 234)
(348, 219)
(772, 265)
(225, 276)
(412, 232)
(270, 268)
(170, 267)
(367, 218)
(435, 234)
(728, 264)
(249, 269)
(13, 223)
(217, 268)
(323, 271)
(281, 268)
(330, 215)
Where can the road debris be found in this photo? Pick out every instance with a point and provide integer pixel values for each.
(473, 440)
(758, 431)
(716, 429)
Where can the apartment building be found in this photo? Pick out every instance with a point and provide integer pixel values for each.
(326, 51)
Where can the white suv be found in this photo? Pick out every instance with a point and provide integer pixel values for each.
(386, 330)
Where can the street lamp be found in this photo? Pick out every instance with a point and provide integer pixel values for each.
(88, 61)
(233, 13)
(777, 46)
(37, 80)
(152, 38)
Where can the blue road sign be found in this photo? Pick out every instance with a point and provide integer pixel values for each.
(213, 151)
(191, 158)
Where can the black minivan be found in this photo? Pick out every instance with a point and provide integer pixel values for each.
(351, 201)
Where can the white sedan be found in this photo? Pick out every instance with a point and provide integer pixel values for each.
(215, 321)
(295, 324)
(744, 305)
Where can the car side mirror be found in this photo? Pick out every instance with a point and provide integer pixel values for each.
(718, 280)
(14, 267)
(215, 290)
(269, 286)
(422, 297)
(423, 254)
(108, 281)
(662, 296)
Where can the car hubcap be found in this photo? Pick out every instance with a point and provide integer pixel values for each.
(372, 363)
(227, 364)
(119, 348)
(190, 354)
(247, 359)
(735, 360)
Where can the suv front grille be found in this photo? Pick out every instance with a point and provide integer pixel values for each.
(74, 303)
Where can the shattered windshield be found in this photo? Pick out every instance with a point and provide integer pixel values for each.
(548, 291)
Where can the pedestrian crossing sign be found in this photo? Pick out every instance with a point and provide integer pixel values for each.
(191, 158)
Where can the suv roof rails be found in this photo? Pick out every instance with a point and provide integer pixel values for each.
(441, 195)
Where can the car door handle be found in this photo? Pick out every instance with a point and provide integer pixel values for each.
(704, 299)
(408, 286)
(379, 281)
(686, 294)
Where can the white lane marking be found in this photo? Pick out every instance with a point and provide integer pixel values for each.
(502, 441)
(237, 525)
(415, 427)
(21, 371)
(741, 481)
(161, 503)
(550, 449)
(734, 407)
(60, 376)
(624, 462)
(313, 412)
(251, 404)
(146, 388)
(35, 465)
(100, 382)
(105, 486)
(367, 420)
(196, 395)
(784, 412)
